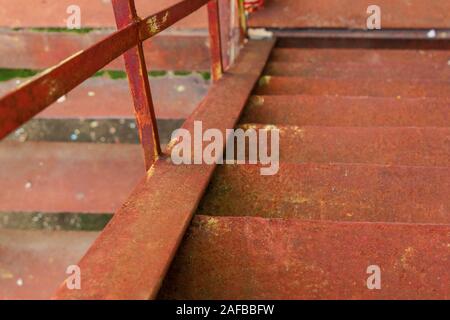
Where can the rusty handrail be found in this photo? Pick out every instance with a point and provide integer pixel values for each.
(20, 105)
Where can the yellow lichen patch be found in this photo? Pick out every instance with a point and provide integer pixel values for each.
(298, 200)
(407, 255)
(264, 81)
(270, 127)
(151, 171)
(256, 101)
(248, 126)
(210, 225)
(5, 274)
(153, 25)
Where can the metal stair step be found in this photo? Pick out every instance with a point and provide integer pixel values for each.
(352, 87)
(409, 146)
(33, 263)
(335, 192)
(56, 177)
(353, 71)
(309, 110)
(256, 258)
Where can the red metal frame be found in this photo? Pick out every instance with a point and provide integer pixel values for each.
(215, 39)
(145, 234)
(25, 102)
(125, 13)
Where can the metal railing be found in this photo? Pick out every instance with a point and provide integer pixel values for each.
(22, 104)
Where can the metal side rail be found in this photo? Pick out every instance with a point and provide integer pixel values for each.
(130, 258)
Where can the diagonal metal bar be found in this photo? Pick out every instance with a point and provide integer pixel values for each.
(125, 13)
(22, 104)
(131, 257)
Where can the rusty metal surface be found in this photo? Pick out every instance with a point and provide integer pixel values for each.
(354, 71)
(368, 57)
(31, 98)
(131, 257)
(33, 263)
(353, 87)
(306, 110)
(363, 42)
(215, 40)
(407, 146)
(337, 192)
(357, 34)
(186, 50)
(125, 13)
(256, 258)
(276, 13)
(175, 97)
(415, 14)
(78, 130)
(96, 13)
(63, 177)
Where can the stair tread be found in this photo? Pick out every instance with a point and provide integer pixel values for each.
(357, 71)
(309, 110)
(67, 177)
(411, 146)
(364, 57)
(336, 192)
(256, 258)
(33, 263)
(278, 85)
(174, 98)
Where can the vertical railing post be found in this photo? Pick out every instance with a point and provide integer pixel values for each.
(215, 40)
(242, 20)
(125, 13)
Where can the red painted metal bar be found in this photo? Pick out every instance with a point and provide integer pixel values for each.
(242, 20)
(125, 13)
(21, 105)
(215, 41)
(130, 258)
(31, 98)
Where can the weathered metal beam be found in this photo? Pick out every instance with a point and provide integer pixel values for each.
(21, 105)
(136, 67)
(34, 96)
(215, 40)
(132, 255)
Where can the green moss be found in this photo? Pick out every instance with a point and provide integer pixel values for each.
(157, 73)
(182, 73)
(79, 31)
(205, 75)
(8, 74)
(114, 74)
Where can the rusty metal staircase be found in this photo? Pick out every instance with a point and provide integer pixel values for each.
(364, 180)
